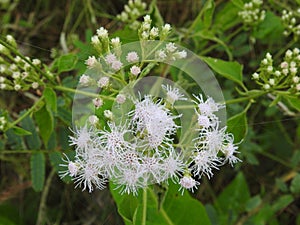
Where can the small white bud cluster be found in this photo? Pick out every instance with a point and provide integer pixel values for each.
(20, 73)
(170, 52)
(132, 11)
(3, 123)
(289, 21)
(252, 13)
(283, 77)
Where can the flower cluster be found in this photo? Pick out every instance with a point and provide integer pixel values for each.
(142, 150)
(252, 13)
(289, 21)
(282, 77)
(3, 123)
(132, 11)
(19, 73)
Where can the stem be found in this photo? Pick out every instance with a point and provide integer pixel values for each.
(42, 207)
(24, 151)
(242, 99)
(29, 111)
(144, 216)
(62, 88)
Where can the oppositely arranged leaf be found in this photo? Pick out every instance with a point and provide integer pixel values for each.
(44, 120)
(237, 125)
(50, 99)
(37, 166)
(230, 70)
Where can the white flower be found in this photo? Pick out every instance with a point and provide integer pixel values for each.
(35, 85)
(272, 81)
(84, 79)
(160, 55)
(98, 102)
(132, 57)
(110, 58)
(204, 162)
(72, 168)
(2, 86)
(208, 107)
(36, 62)
(17, 87)
(116, 65)
(130, 181)
(91, 61)
(145, 35)
(179, 55)
(229, 150)
(170, 47)
(154, 32)
(172, 166)
(103, 82)
(115, 42)
(120, 98)
(296, 79)
(284, 65)
(187, 182)
(166, 28)
(255, 76)
(135, 70)
(93, 119)
(288, 53)
(270, 69)
(108, 114)
(173, 94)
(95, 40)
(277, 73)
(83, 137)
(2, 79)
(16, 75)
(102, 32)
(266, 86)
(147, 19)
(298, 87)
(204, 121)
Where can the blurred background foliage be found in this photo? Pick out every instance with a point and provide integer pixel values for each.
(264, 189)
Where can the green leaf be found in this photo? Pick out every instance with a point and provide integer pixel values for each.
(229, 70)
(253, 203)
(21, 132)
(66, 63)
(282, 202)
(204, 18)
(293, 101)
(50, 99)
(44, 120)
(233, 199)
(55, 159)
(37, 165)
(237, 125)
(295, 185)
(33, 141)
(176, 209)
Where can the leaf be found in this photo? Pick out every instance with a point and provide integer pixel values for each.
(50, 99)
(293, 101)
(204, 18)
(229, 70)
(253, 203)
(37, 165)
(55, 159)
(282, 202)
(295, 185)
(33, 141)
(44, 120)
(233, 199)
(237, 125)
(20, 131)
(65, 63)
(176, 209)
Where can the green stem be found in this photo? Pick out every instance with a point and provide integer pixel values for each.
(242, 99)
(28, 112)
(144, 216)
(24, 151)
(66, 89)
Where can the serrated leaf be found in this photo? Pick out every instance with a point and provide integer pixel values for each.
(237, 125)
(50, 99)
(20, 131)
(37, 166)
(44, 120)
(33, 141)
(229, 70)
(295, 185)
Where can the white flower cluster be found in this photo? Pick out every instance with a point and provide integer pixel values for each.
(289, 21)
(147, 32)
(3, 123)
(283, 77)
(18, 73)
(132, 11)
(142, 151)
(252, 13)
(170, 52)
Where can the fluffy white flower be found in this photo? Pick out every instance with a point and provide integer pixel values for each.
(91, 61)
(102, 32)
(98, 102)
(135, 70)
(173, 94)
(132, 57)
(110, 58)
(187, 182)
(208, 107)
(93, 119)
(120, 99)
(116, 65)
(170, 47)
(103, 82)
(84, 79)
